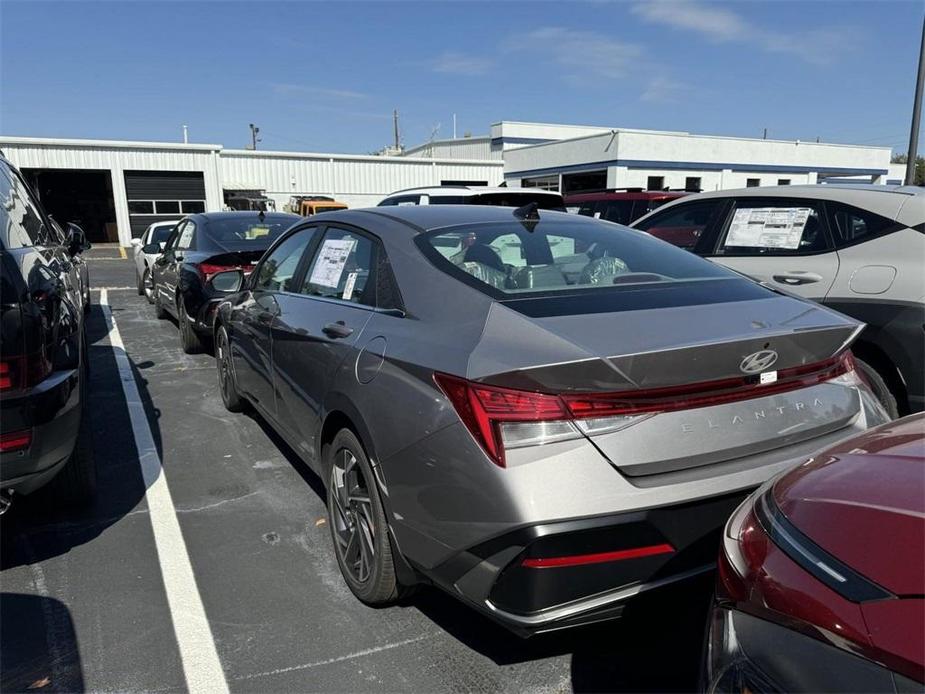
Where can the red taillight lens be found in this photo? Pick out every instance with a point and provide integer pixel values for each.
(597, 558)
(22, 372)
(15, 441)
(209, 270)
(490, 411)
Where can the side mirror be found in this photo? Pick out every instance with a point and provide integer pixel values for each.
(228, 281)
(136, 242)
(76, 239)
(162, 244)
(151, 248)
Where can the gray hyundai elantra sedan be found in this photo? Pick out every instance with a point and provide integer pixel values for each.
(543, 414)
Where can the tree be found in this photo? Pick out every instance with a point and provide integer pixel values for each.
(918, 177)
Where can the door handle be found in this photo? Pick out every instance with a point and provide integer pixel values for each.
(337, 330)
(796, 277)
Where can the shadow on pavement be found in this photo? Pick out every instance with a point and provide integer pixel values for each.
(38, 527)
(39, 649)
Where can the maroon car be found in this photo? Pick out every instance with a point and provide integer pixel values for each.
(821, 583)
(622, 206)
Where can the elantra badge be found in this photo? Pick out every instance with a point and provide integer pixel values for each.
(758, 362)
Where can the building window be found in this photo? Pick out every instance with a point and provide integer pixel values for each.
(655, 183)
(165, 207)
(692, 184)
(141, 206)
(193, 206)
(783, 181)
(752, 182)
(584, 181)
(541, 182)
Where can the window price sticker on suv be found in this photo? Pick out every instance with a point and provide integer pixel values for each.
(768, 227)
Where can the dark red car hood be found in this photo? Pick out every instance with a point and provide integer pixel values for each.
(864, 502)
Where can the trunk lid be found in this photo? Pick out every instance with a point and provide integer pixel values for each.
(675, 355)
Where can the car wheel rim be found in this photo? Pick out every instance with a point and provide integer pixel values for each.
(224, 365)
(147, 285)
(352, 516)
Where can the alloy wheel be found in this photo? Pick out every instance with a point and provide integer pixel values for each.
(352, 516)
(224, 363)
(147, 283)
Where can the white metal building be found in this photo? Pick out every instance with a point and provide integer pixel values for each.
(649, 159)
(117, 188)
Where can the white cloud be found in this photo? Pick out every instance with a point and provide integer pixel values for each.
(459, 64)
(663, 90)
(310, 90)
(818, 46)
(590, 54)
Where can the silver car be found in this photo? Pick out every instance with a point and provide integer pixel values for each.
(859, 249)
(157, 233)
(543, 414)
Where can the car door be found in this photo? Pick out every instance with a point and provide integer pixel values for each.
(315, 332)
(170, 261)
(251, 342)
(783, 242)
(162, 267)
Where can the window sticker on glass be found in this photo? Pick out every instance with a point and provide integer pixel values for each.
(768, 227)
(256, 232)
(349, 285)
(186, 236)
(332, 257)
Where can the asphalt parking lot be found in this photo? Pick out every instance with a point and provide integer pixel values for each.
(89, 599)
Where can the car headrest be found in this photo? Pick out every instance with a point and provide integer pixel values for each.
(480, 253)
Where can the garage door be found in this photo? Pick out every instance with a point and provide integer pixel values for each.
(159, 196)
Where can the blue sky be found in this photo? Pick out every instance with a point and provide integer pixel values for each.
(325, 76)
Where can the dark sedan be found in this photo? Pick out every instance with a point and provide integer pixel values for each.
(201, 247)
(822, 576)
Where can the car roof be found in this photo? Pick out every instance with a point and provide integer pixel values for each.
(626, 195)
(218, 216)
(166, 222)
(469, 190)
(430, 217)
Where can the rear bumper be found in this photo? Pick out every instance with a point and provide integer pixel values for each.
(746, 653)
(506, 579)
(51, 411)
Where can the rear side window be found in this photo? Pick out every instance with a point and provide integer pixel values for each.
(552, 257)
(682, 225)
(21, 222)
(342, 267)
(776, 228)
(852, 225)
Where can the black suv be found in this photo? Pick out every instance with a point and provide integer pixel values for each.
(43, 350)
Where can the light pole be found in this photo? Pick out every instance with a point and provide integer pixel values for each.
(254, 139)
(916, 114)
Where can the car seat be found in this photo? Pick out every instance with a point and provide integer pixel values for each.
(602, 270)
(484, 255)
(486, 273)
(538, 277)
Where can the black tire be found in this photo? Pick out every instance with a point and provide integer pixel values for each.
(159, 311)
(358, 524)
(145, 281)
(226, 380)
(190, 341)
(139, 282)
(879, 387)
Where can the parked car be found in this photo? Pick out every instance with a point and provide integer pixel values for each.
(308, 205)
(859, 249)
(76, 237)
(821, 583)
(252, 200)
(157, 233)
(201, 247)
(475, 195)
(544, 438)
(43, 352)
(620, 205)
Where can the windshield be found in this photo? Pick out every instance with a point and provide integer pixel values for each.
(162, 233)
(560, 257)
(246, 233)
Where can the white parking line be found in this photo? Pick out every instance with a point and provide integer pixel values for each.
(201, 665)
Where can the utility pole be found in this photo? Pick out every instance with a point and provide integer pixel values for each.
(916, 114)
(765, 136)
(254, 139)
(395, 129)
(185, 135)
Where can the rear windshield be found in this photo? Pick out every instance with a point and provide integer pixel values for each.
(562, 256)
(246, 233)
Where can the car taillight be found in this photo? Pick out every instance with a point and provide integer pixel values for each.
(505, 418)
(17, 373)
(209, 270)
(15, 441)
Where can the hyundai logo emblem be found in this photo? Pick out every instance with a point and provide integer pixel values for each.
(758, 362)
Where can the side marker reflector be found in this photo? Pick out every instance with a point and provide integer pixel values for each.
(598, 558)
